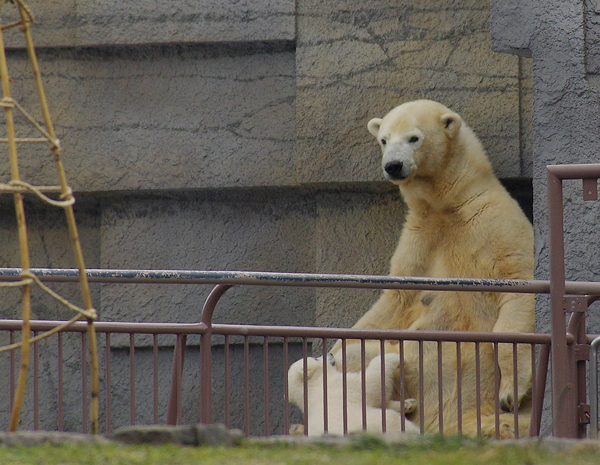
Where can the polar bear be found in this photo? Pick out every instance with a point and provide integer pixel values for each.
(374, 400)
(461, 222)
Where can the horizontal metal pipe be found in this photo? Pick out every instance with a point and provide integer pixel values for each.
(350, 333)
(109, 327)
(288, 331)
(255, 278)
(575, 171)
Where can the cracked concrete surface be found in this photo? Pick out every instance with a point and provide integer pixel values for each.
(232, 135)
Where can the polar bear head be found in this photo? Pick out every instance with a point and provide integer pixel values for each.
(416, 139)
(314, 375)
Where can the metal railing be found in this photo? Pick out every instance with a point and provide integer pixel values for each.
(593, 380)
(208, 331)
(568, 343)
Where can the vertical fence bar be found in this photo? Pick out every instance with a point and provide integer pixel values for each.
(155, 380)
(60, 382)
(36, 384)
(108, 384)
(402, 386)
(12, 370)
(363, 383)
(325, 391)
(478, 386)
(206, 352)
(540, 387)
(132, 379)
(228, 383)
(516, 391)
(496, 391)
(594, 348)
(266, 385)
(286, 398)
(305, 381)
(178, 404)
(532, 431)
(459, 405)
(383, 387)
(344, 386)
(440, 389)
(84, 382)
(421, 389)
(174, 405)
(580, 369)
(247, 382)
(206, 376)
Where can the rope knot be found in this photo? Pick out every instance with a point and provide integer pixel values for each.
(67, 196)
(8, 102)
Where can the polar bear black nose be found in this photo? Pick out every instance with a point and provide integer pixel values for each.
(394, 169)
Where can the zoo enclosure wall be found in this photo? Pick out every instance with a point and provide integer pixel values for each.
(571, 412)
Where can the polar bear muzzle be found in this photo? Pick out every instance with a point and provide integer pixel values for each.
(398, 161)
(393, 169)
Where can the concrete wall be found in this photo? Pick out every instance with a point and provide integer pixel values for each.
(562, 40)
(232, 135)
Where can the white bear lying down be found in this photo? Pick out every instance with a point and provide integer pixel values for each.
(314, 375)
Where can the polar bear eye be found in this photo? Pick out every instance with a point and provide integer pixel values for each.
(413, 139)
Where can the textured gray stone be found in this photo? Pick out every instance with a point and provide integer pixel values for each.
(268, 231)
(164, 117)
(49, 246)
(357, 232)
(565, 115)
(187, 435)
(357, 61)
(77, 23)
(36, 438)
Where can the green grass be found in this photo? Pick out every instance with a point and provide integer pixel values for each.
(432, 451)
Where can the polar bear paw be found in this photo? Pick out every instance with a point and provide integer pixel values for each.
(410, 406)
(507, 400)
(297, 430)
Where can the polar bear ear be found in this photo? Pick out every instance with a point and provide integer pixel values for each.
(374, 126)
(451, 123)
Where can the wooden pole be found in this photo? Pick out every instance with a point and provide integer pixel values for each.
(72, 225)
(22, 233)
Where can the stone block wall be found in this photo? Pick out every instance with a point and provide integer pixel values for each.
(232, 135)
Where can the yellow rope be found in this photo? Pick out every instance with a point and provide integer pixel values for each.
(19, 186)
(90, 314)
(10, 102)
(23, 282)
(49, 333)
(29, 278)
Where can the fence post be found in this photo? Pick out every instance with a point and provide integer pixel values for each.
(206, 352)
(174, 406)
(564, 391)
(580, 354)
(595, 347)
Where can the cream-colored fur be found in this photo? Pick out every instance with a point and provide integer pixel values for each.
(335, 384)
(461, 222)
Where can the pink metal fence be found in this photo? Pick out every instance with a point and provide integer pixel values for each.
(252, 409)
(194, 374)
